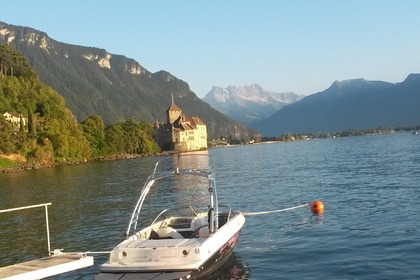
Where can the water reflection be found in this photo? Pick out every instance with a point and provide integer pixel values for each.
(25, 234)
(234, 268)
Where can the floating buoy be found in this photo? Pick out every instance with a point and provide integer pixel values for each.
(317, 207)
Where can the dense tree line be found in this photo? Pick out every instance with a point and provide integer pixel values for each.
(128, 137)
(51, 133)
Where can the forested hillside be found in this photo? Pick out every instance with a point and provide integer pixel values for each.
(48, 132)
(117, 88)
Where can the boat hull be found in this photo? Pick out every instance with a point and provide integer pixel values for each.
(211, 265)
(220, 258)
(165, 271)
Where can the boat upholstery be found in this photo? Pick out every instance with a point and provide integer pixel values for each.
(204, 232)
(168, 232)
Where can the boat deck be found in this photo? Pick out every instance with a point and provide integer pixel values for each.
(46, 267)
(168, 243)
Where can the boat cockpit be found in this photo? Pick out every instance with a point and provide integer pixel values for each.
(176, 224)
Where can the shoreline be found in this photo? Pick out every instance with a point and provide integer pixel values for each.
(37, 166)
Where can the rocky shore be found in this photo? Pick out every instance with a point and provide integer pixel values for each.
(35, 166)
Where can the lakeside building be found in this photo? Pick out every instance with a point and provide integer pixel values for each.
(15, 118)
(181, 133)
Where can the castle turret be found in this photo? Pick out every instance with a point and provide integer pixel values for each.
(173, 112)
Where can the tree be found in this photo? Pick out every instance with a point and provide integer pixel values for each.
(131, 137)
(94, 131)
(6, 133)
(31, 126)
(114, 137)
(22, 125)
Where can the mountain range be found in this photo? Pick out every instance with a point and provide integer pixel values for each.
(248, 104)
(355, 104)
(96, 82)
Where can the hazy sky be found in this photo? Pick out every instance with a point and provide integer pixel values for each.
(298, 46)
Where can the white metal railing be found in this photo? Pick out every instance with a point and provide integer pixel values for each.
(46, 217)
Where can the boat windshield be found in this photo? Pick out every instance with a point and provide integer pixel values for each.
(178, 182)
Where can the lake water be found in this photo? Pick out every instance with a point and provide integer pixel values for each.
(369, 230)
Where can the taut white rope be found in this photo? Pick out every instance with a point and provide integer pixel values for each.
(273, 211)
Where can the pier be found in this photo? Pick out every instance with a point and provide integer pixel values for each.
(56, 263)
(46, 267)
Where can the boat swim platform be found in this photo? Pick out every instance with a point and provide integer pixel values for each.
(46, 267)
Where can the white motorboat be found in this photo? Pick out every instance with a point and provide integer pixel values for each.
(190, 234)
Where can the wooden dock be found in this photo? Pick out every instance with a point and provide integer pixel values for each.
(46, 267)
(57, 263)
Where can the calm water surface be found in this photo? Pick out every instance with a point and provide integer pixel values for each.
(369, 185)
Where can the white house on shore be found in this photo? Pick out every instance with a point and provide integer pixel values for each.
(181, 133)
(15, 118)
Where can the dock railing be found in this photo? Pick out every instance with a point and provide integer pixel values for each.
(56, 263)
(46, 217)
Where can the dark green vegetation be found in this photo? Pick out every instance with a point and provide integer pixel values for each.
(52, 134)
(128, 137)
(95, 82)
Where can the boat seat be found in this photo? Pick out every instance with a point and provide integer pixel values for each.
(168, 232)
(153, 235)
(198, 223)
(204, 232)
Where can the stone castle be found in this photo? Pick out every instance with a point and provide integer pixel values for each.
(181, 133)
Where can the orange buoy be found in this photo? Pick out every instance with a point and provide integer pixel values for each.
(317, 207)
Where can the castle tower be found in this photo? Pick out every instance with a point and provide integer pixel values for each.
(173, 112)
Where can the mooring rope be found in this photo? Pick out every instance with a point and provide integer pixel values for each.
(273, 211)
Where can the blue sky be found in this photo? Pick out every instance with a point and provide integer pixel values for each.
(299, 46)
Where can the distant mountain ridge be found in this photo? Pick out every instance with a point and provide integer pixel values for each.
(351, 104)
(95, 82)
(248, 104)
